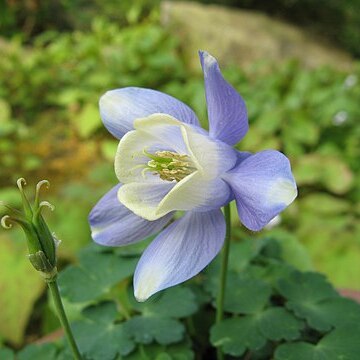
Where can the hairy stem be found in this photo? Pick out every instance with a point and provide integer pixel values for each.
(54, 289)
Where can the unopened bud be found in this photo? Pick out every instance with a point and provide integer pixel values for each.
(41, 242)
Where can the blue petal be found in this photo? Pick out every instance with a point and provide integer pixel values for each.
(241, 156)
(180, 252)
(263, 186)
(119, 108)
(226, 108)
(112, 224)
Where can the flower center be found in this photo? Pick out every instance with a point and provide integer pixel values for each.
(169, 165)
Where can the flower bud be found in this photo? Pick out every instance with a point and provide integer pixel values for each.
(41, 242)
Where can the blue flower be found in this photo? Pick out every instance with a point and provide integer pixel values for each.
(166, 162)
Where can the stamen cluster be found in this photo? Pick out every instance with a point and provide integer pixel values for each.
(169, 165)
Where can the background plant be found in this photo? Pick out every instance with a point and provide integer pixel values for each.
(272, 310)
(336, 21)
(50, 82)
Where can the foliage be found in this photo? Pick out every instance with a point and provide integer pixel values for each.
(287, 314)
(50, 128)
(28, 19)
(65, 75)
(339, 21)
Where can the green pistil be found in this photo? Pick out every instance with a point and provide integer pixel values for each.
(169, 166)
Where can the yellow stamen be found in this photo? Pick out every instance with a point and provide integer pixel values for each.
(169, 165)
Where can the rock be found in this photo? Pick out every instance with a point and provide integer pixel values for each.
(243, 37)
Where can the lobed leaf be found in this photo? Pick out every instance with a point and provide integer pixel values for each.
(277, 324)
(180, 351)
(6, 354)
(95, 275)
(340, 344)
(46, 351)
(244, 294)
(306, 287)
(146, 329)
(98, 335)
(238, 334)
(176, 302)
(329, 313)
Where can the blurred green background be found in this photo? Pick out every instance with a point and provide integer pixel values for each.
(58, 57)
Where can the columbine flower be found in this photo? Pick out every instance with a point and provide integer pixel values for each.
(166, 162)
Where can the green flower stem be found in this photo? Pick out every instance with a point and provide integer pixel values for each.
(54, 289)
(223, 273)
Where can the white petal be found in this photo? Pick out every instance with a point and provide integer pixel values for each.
(130, 159)
(165, 134)
(150, 197)
(112, 224)
(210, 156)
(195, 192)
(165, 128)
(213, 157)
(143, 198)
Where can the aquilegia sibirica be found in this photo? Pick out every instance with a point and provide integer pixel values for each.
(166, 162)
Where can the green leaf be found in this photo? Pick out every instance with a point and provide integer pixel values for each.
(20, 286)
(99, 337)
(292, 251)
(156, 323)
(329, 313)
(202, 297)
(251, 332)
(103, 313)
(270, 121)
(304, 292)
(302, 130)
(236, 335)
(328, 171)
(279, 324)
(46, 351)
(247, 296)
(146, 329)
(244, 294)
(6, 354)
(88, 120)
(271, 249)
(5, 112)
(324, 204)
(306, 287)
(176, 302)
(108, 149)
(299, 351)
(95, 275)
(270, 272)
(180, 351)
(340, 344)
(242, 252)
